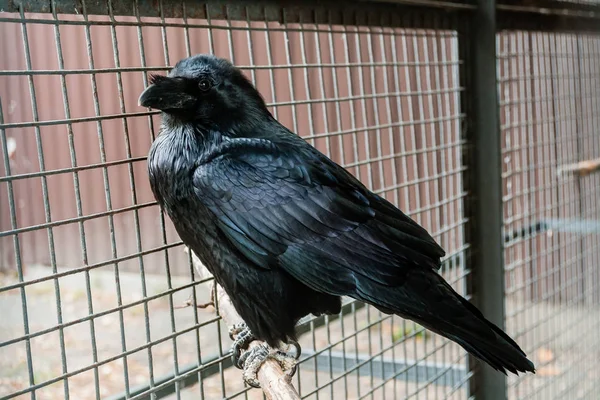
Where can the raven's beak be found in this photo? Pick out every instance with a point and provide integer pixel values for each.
(166, 94)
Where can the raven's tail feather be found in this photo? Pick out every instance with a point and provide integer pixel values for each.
(501, 352)
(430, 301)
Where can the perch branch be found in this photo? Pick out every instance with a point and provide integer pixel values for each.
(274, 382)
(581, 168)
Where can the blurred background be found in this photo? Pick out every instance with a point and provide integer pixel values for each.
(94, 279)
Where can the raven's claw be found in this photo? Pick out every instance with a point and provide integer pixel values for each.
(243, 337)
(252, 359)
(235, 330)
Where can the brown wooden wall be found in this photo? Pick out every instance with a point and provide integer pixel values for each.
(389, 99)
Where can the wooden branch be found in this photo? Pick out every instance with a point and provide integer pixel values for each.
(274, 382)
(581, 168)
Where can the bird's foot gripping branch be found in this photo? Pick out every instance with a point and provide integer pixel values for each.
(253, 358)
(265, 367)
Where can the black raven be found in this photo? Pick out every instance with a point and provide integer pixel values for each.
(285, 230)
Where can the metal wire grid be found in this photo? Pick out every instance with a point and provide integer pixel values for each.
(549, 87)
(100, 272)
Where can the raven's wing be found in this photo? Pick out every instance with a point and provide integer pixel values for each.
(299, 211)
(302, 212)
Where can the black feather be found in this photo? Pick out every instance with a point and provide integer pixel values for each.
(285, 230)
(155, 78)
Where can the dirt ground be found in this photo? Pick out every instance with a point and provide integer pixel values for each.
(564, 342)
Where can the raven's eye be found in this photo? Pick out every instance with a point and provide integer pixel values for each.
(204, 84)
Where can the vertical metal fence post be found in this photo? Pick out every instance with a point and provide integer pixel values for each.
(485, 185)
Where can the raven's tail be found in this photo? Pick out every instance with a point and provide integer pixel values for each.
(430, 301)
(489, 343)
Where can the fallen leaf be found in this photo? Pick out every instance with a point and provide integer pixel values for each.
(545, 355)
(11, 147)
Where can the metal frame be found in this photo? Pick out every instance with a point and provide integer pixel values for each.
(313, 11)
(535, 15)
(485, 204)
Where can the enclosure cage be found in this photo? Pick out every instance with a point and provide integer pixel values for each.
(478, 119)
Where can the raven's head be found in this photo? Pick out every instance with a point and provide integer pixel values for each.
(205, 90)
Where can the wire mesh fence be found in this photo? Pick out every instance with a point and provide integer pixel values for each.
(94, 278)
(550, 100)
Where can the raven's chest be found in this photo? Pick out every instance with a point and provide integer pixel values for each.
(172, 161)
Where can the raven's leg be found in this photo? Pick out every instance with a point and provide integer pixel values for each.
(253, 358)
(241, 336)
